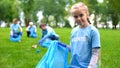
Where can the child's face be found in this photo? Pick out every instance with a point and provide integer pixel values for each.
(80, 16)
(31, 25)
(15, 21)
(43, 27)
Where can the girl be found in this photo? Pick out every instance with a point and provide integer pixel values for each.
(85, 39)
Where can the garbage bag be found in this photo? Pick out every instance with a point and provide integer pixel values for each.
(33, 35)
(15, 39)
(55, 57)
(46, 43)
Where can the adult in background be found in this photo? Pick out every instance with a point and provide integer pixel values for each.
(31, 30)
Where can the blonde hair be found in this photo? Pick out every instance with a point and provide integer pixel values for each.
(79, 5)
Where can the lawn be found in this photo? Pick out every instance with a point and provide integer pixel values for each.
(110, 50)
(22, 55)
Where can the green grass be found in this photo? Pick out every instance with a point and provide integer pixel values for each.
(22, 55)
(110, 50)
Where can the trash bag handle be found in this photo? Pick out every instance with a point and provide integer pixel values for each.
(62, 44)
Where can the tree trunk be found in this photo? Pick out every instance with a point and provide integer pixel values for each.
(95, 23)
(26, 21)
(115, 27)
(115, 20)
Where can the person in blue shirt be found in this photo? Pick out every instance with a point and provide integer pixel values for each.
(85, 39)
(31, 30)
(16, 31)
(47, 33)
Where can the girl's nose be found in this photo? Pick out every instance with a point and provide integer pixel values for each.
(79, 18)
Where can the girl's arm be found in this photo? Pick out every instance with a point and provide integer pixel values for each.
(94, 58)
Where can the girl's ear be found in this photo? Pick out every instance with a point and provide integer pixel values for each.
(87, 13)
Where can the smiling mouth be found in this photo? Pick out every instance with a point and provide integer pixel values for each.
(80, 23)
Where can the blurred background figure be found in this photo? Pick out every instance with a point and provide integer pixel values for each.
(16, 31)
(48, 34)
(31, 30)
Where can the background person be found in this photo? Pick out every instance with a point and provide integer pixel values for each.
(47, 34)
(16, 31)
(31, 30)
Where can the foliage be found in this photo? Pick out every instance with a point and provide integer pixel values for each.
(114, 12)
(59, 9)
(8, 10)
(27, 7)
(115, 20)
(55, 8)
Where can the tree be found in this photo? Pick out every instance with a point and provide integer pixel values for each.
(27, 7)
(115, 12)
(8, 10)
(55, 8)
(105, 14)
(115, 19)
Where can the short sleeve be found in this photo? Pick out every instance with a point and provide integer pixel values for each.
(95, 39)
(50, 31)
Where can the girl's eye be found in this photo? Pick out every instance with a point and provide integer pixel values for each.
(75, 16)
(81, 15)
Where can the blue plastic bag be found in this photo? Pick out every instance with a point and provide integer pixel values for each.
(55, 57)
(33, 35)
(45, 43)
(16, 37)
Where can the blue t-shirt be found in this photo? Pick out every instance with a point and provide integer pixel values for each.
(47, 33)
(82, 41)
(44, 32)
(15, 28)
(32, 29)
